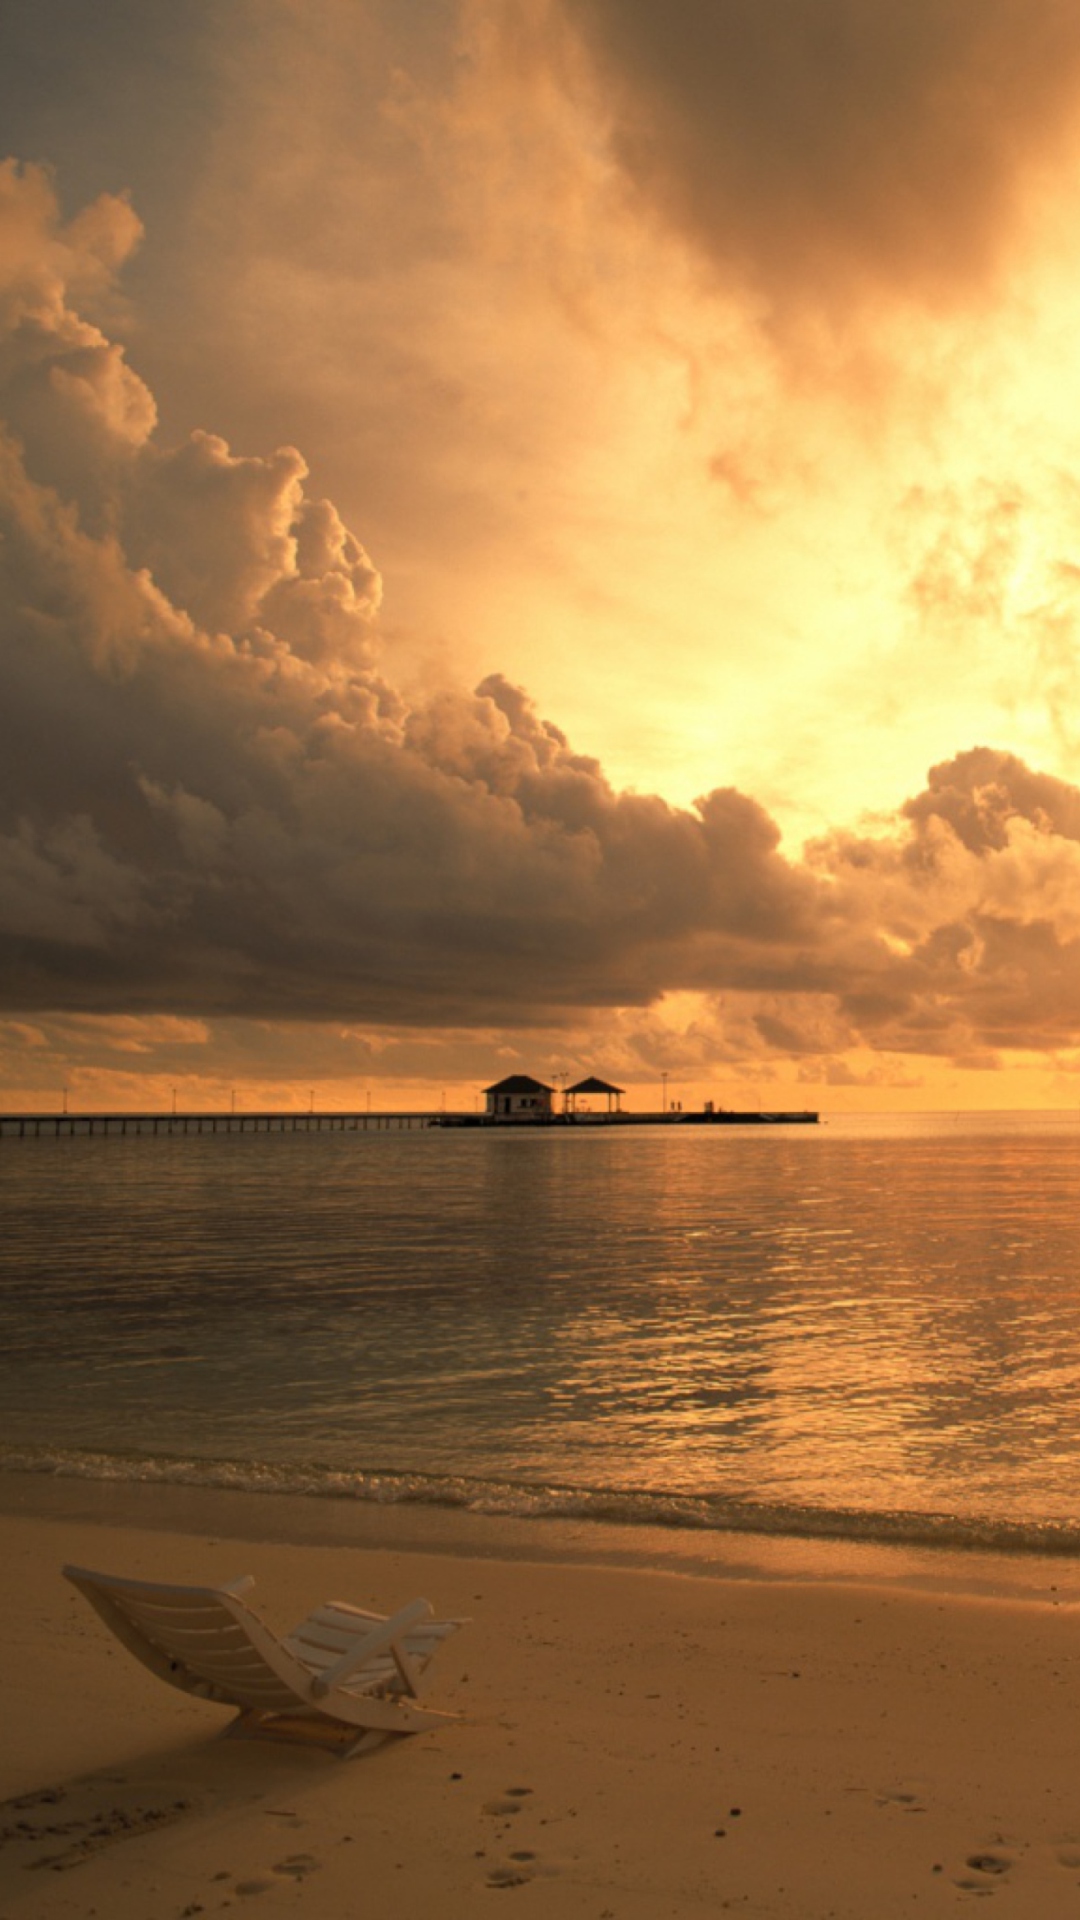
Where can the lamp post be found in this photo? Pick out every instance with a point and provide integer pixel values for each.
(663, 1092)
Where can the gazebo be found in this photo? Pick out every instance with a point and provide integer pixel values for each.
(590, 1087)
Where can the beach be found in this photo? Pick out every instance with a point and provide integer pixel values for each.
(754, 1474)
(631, 1743)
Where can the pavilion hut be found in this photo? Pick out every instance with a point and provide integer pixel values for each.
(590, 1088)
(518, 1097)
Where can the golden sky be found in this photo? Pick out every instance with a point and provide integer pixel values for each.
(542, 536)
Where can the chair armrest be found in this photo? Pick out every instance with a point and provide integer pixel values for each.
(379, 1639)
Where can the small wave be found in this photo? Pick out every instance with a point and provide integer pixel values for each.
(527, 1500)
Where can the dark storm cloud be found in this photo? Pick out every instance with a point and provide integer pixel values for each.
(213, 801)
(823, 148)
(109, 93)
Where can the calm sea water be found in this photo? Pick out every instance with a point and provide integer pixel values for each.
(870, 1328)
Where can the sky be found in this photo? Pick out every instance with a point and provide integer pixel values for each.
(539, 535)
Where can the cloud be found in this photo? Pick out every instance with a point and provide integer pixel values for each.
(974, 897)
(203, 757)
(216, 805)
(820, 150)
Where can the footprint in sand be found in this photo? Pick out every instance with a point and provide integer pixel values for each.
(519, 1867)
(517, 1872)
(298, 1865)
(509, 1802)
(904, 1802)
(989, 1867)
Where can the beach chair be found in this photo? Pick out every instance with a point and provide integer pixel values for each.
(343, 1679)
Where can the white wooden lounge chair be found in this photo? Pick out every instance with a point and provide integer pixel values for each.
(342, 1679)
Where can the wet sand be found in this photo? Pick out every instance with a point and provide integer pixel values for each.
(631, 1743)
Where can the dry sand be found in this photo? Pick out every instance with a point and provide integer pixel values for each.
(632, 1744)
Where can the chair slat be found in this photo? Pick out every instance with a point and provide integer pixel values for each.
(322, 1641)
(168, 1608)
(336, 1613)
(170, 1620)
(176, 1637)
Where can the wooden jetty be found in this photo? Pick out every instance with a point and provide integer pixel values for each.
(35, 1126)
(721, 1117)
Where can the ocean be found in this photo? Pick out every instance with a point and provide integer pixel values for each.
(867, 1330)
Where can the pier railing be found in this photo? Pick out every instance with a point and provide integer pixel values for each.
(29, 1126)
(33, 1126)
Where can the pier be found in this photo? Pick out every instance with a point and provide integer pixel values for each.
(56, 1126)
(33, 1126)
(674, 1117)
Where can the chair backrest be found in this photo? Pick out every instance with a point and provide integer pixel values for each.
(203, 1640)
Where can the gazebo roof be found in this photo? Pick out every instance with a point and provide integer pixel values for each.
(593, 1085)
(519, 1083)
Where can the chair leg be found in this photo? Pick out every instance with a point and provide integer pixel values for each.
(374, 1737)
(247, 1726)
(331, 1736)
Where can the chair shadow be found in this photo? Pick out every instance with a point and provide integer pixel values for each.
(61, 1826)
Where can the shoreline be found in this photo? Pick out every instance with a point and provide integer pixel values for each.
(633, 1742)
(326, 1520)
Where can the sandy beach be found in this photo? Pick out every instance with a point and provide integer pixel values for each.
(631, 1744)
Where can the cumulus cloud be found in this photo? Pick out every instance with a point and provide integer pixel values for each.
(975, 898)
(216, 805)
(202, 754)
(820, 149)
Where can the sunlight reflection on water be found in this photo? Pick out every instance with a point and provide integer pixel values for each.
(878, 1316)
